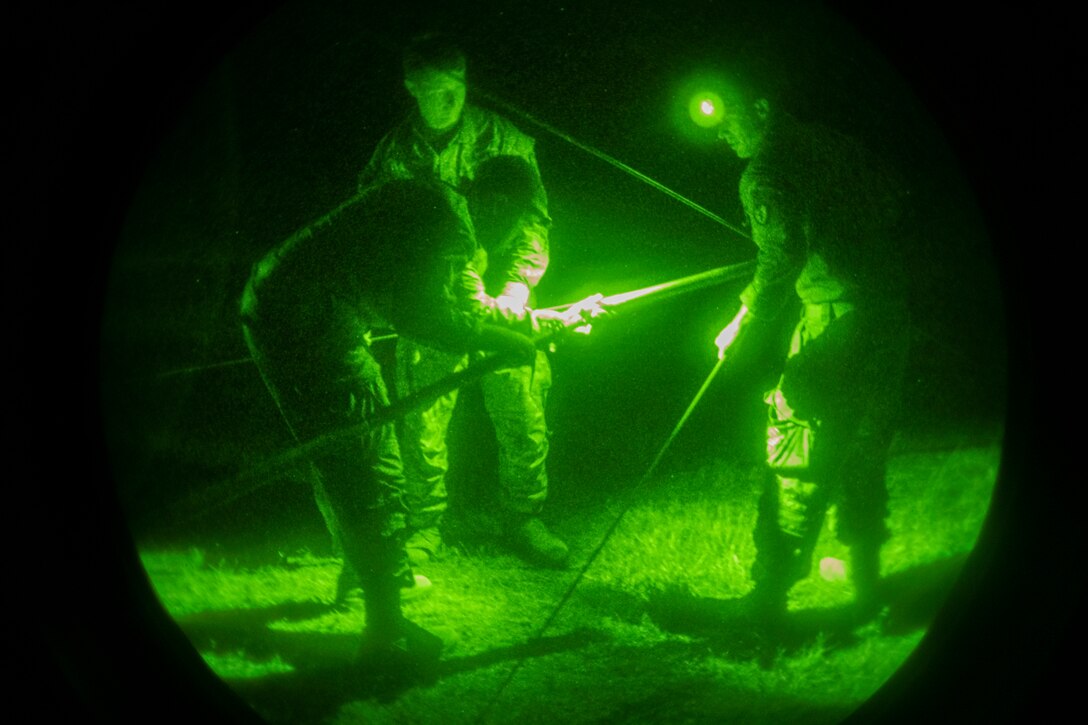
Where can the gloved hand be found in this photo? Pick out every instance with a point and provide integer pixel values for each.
(584, 311)
(518, 347)
(510, 307)
(732, 331)
(576, 318)
(514, 295)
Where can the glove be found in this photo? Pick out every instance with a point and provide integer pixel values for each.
(575, 318)
(509, 307)
(731, 332)
(584, 311)
(514, 295)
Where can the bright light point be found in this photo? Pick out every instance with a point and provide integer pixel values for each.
(832, 569)
(705, 109)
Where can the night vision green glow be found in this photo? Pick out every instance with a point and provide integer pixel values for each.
(492, 603)
(705, 109)
(697, 105)
(219, 488)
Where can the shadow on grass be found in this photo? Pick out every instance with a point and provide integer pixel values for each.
(914, 596)
(907, 601)
(534, 647)
(706, 700)
(315, 693)
(608, 601)
(248, 630)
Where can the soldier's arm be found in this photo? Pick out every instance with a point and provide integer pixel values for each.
(527, 261)
(780, 258)
(375, 168)
(529, 250)
(472, 296)
(781, 254)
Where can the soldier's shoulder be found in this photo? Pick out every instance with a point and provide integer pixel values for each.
(494, 125)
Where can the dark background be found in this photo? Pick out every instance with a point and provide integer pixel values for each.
(119, 89)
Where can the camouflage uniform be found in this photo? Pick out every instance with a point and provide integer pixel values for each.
(306, 312)
(515, 397)
(826, 219)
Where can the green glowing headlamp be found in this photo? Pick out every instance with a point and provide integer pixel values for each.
(705, 109)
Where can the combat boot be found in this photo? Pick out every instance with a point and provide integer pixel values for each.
(398, 644)
(395, 652)
(530, 539)
(391, 659)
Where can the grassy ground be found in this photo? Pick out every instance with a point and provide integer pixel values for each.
(264, 623)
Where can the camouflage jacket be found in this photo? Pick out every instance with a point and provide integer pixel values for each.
(515, 268)
(825, 215)
(321, 292)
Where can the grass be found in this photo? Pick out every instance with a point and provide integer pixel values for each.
(267, 628)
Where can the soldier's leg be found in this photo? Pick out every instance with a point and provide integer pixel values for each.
(516, 399)
(363, 484)
(795, 499)
(862, 514)
(370, 516)
(423, 438)
(363, 488)
(359, 482)
(792, 508)
(868, 430)
(347, 581)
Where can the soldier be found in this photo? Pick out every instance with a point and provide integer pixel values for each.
(447, 139)
(396, 257)
(827, 219)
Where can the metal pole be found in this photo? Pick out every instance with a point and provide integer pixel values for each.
(610, 531)
(672, 288)
(257, 477)
(658, 292)
(494, 100)
(201, 368)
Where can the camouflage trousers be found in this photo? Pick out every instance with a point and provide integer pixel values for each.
(515, 400)
(358, 484)
(830, 423)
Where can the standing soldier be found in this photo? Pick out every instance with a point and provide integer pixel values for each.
(826, 218)
(447, 140)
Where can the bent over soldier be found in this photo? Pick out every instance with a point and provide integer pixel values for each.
(391, 257)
